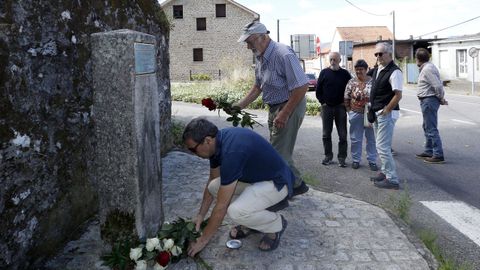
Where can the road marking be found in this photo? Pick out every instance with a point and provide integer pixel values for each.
(403, 109)
(464, 122)
(460, 215)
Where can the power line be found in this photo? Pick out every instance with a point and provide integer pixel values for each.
(448, 26)
(374, 14)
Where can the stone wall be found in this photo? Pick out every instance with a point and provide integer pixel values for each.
(46, 128)
(218, 41)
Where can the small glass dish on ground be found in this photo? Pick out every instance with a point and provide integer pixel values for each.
(234, 244)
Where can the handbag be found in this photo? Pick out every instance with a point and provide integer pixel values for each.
(369, 116)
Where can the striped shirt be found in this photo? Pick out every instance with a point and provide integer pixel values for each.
(278, 73)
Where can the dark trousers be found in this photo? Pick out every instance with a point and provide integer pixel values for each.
(338, 114)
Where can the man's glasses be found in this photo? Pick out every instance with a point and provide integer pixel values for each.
(194, 149)
(378, 54)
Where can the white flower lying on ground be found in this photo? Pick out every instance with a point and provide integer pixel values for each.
(135, 253)
(158, 267)
(141, 265)
(152, 243)
(176, 250)
(167, 244)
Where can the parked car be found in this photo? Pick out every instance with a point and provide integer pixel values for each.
(312, 81)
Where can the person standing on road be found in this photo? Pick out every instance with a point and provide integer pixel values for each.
(431, 95)
(330, 93)
(241, 183)
(385, 95)
(357, 94)
(283, 85)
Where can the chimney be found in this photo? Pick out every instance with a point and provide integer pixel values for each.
(411, 36)
(380, 37)
(435, 37)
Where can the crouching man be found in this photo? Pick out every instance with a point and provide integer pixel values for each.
(247, 176)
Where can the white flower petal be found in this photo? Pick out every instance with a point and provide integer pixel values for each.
(141, 265)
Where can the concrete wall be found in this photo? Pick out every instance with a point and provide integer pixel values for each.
(219, 41)
(46, 128)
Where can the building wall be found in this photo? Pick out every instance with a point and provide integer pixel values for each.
(447, 63)
(219, 40)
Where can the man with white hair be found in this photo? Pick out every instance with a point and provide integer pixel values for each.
(330, 93)
(384, 97)
(283, 84)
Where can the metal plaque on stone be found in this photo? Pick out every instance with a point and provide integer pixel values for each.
(144, 58)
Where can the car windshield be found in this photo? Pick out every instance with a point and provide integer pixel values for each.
(311, 76)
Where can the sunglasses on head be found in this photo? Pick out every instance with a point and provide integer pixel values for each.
(379, 54)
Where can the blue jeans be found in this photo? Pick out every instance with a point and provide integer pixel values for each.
(433, 143)
(356, 138)
(384, 130)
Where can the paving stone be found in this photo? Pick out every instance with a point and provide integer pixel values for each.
(326, 231)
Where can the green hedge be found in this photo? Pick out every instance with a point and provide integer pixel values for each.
(230, 91)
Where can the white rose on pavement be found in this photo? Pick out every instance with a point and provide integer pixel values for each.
(141, 265)
(168, 244)
(176, 250)
(158, 267)
(135, 253)
(152, 243)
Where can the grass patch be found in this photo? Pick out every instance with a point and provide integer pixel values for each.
(401, 203)
(310, 180)
(445, 263)
(177, 132)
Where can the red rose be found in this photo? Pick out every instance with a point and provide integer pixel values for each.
(209, 103)
(163, 258)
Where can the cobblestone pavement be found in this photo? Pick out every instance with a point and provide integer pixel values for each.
(325, 232)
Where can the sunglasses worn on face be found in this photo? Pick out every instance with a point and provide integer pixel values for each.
(380, 54)
(194, 149)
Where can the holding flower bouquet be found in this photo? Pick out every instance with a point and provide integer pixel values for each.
(168, 247)
(237, 115)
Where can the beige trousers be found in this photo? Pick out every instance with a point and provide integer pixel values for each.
(249, 203)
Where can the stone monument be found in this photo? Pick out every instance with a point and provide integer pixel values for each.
(127, 127)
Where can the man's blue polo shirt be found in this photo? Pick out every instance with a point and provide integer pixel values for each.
(246, 156)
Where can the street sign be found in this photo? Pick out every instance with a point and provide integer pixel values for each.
(346, 48)
(473, 52)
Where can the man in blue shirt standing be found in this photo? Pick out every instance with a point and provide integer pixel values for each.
(283, 85)
(247, 176)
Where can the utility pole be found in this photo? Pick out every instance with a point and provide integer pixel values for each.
(278, 30)
(393, 41)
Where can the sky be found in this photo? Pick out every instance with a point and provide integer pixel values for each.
(412, 17)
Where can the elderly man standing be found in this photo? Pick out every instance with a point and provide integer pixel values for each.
(330, 91)
(431, 96)
(283, 85)
(384, 97)
(244, 187)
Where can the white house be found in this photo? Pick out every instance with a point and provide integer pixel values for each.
(203, 37)
(452, 58)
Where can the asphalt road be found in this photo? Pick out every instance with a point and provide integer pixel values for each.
(456, 180)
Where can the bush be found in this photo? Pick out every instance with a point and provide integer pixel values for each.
(201, 77)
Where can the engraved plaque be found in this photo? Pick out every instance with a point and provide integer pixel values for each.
(144, 58)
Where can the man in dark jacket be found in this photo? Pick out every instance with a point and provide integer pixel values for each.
(330, 89)
(384, 97)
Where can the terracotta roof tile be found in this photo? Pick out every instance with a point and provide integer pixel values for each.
(364, 33)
